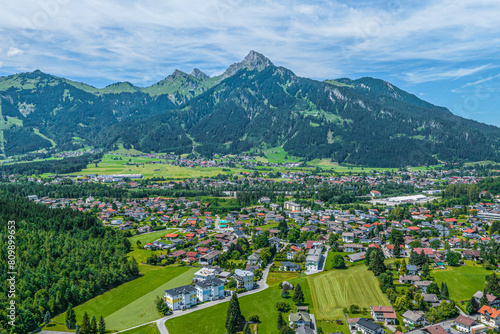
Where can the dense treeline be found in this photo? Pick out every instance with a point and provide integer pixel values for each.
(62, 166)
(63, 258)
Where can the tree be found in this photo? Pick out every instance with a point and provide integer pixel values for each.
(433, 288)
(386, 282)
(282, 307)
(286, 330)
(377, 264)
(70, 318)
(46, 318)
(426, 271)
(280, 323)
(472, 306)
(338, 262)
(403, 270)
(247, 330)
(484, 299)
(233, 315)
(93, 325)
(77, 329)
(298, 295)
(102, 325)
(493, 285)
(452, 258)
(396, 238)
(435, 244)
(444, 291)
(85, 328)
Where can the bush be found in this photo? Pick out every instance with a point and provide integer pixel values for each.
(241, 290)
(282, 307)
(254, 318)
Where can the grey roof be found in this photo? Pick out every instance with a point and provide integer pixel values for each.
(300, 316)
(181, 290)
(369, 324)
(411, 267)
(304, 330)
(209, 283)
(413, 316)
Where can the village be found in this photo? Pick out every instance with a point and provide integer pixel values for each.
(238, 251)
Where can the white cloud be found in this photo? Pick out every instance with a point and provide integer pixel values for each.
(436, 74)
(14, 52)
(120, 40)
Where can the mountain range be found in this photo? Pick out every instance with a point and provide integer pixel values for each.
(254, 105)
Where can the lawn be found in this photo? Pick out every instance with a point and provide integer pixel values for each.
(333, 290)
(146, 329)
(263, 304)
(132, 303)
(463, 281)
(277, 277)
(268, 226)
(149, 237)
(329, 259)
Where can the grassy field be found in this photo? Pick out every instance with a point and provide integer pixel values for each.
(462, 281)
(146, 329)
(333, 290)
(132, 303)
(263, 304)
(149, 237)
(111, 166)
(269, 226)
(278, 277)
(329, 259)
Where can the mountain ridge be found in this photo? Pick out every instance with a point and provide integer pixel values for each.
(252, 106)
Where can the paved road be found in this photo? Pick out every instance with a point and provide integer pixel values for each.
(262, 285)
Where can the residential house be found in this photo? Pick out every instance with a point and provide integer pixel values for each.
(313, 258)
(299, 319)
(471, 254)
(383, 314)
(464, 323)
(207, 259)
(181, 298)
(351, 248)
(492, 300)
(209, 289)
(204, 274)
(244, 279)
(289, 266)
(412, 269)
(356, 257)
(413, 318)
(348, 237)
(410, 279)
(422, 285)
(365, 326)
(489, 316)
(254, 259)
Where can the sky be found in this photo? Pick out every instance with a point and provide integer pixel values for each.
(444, 51)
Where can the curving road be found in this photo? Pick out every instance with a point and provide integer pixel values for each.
(160, 323)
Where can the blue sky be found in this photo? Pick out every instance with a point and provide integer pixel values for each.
(444, 51)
